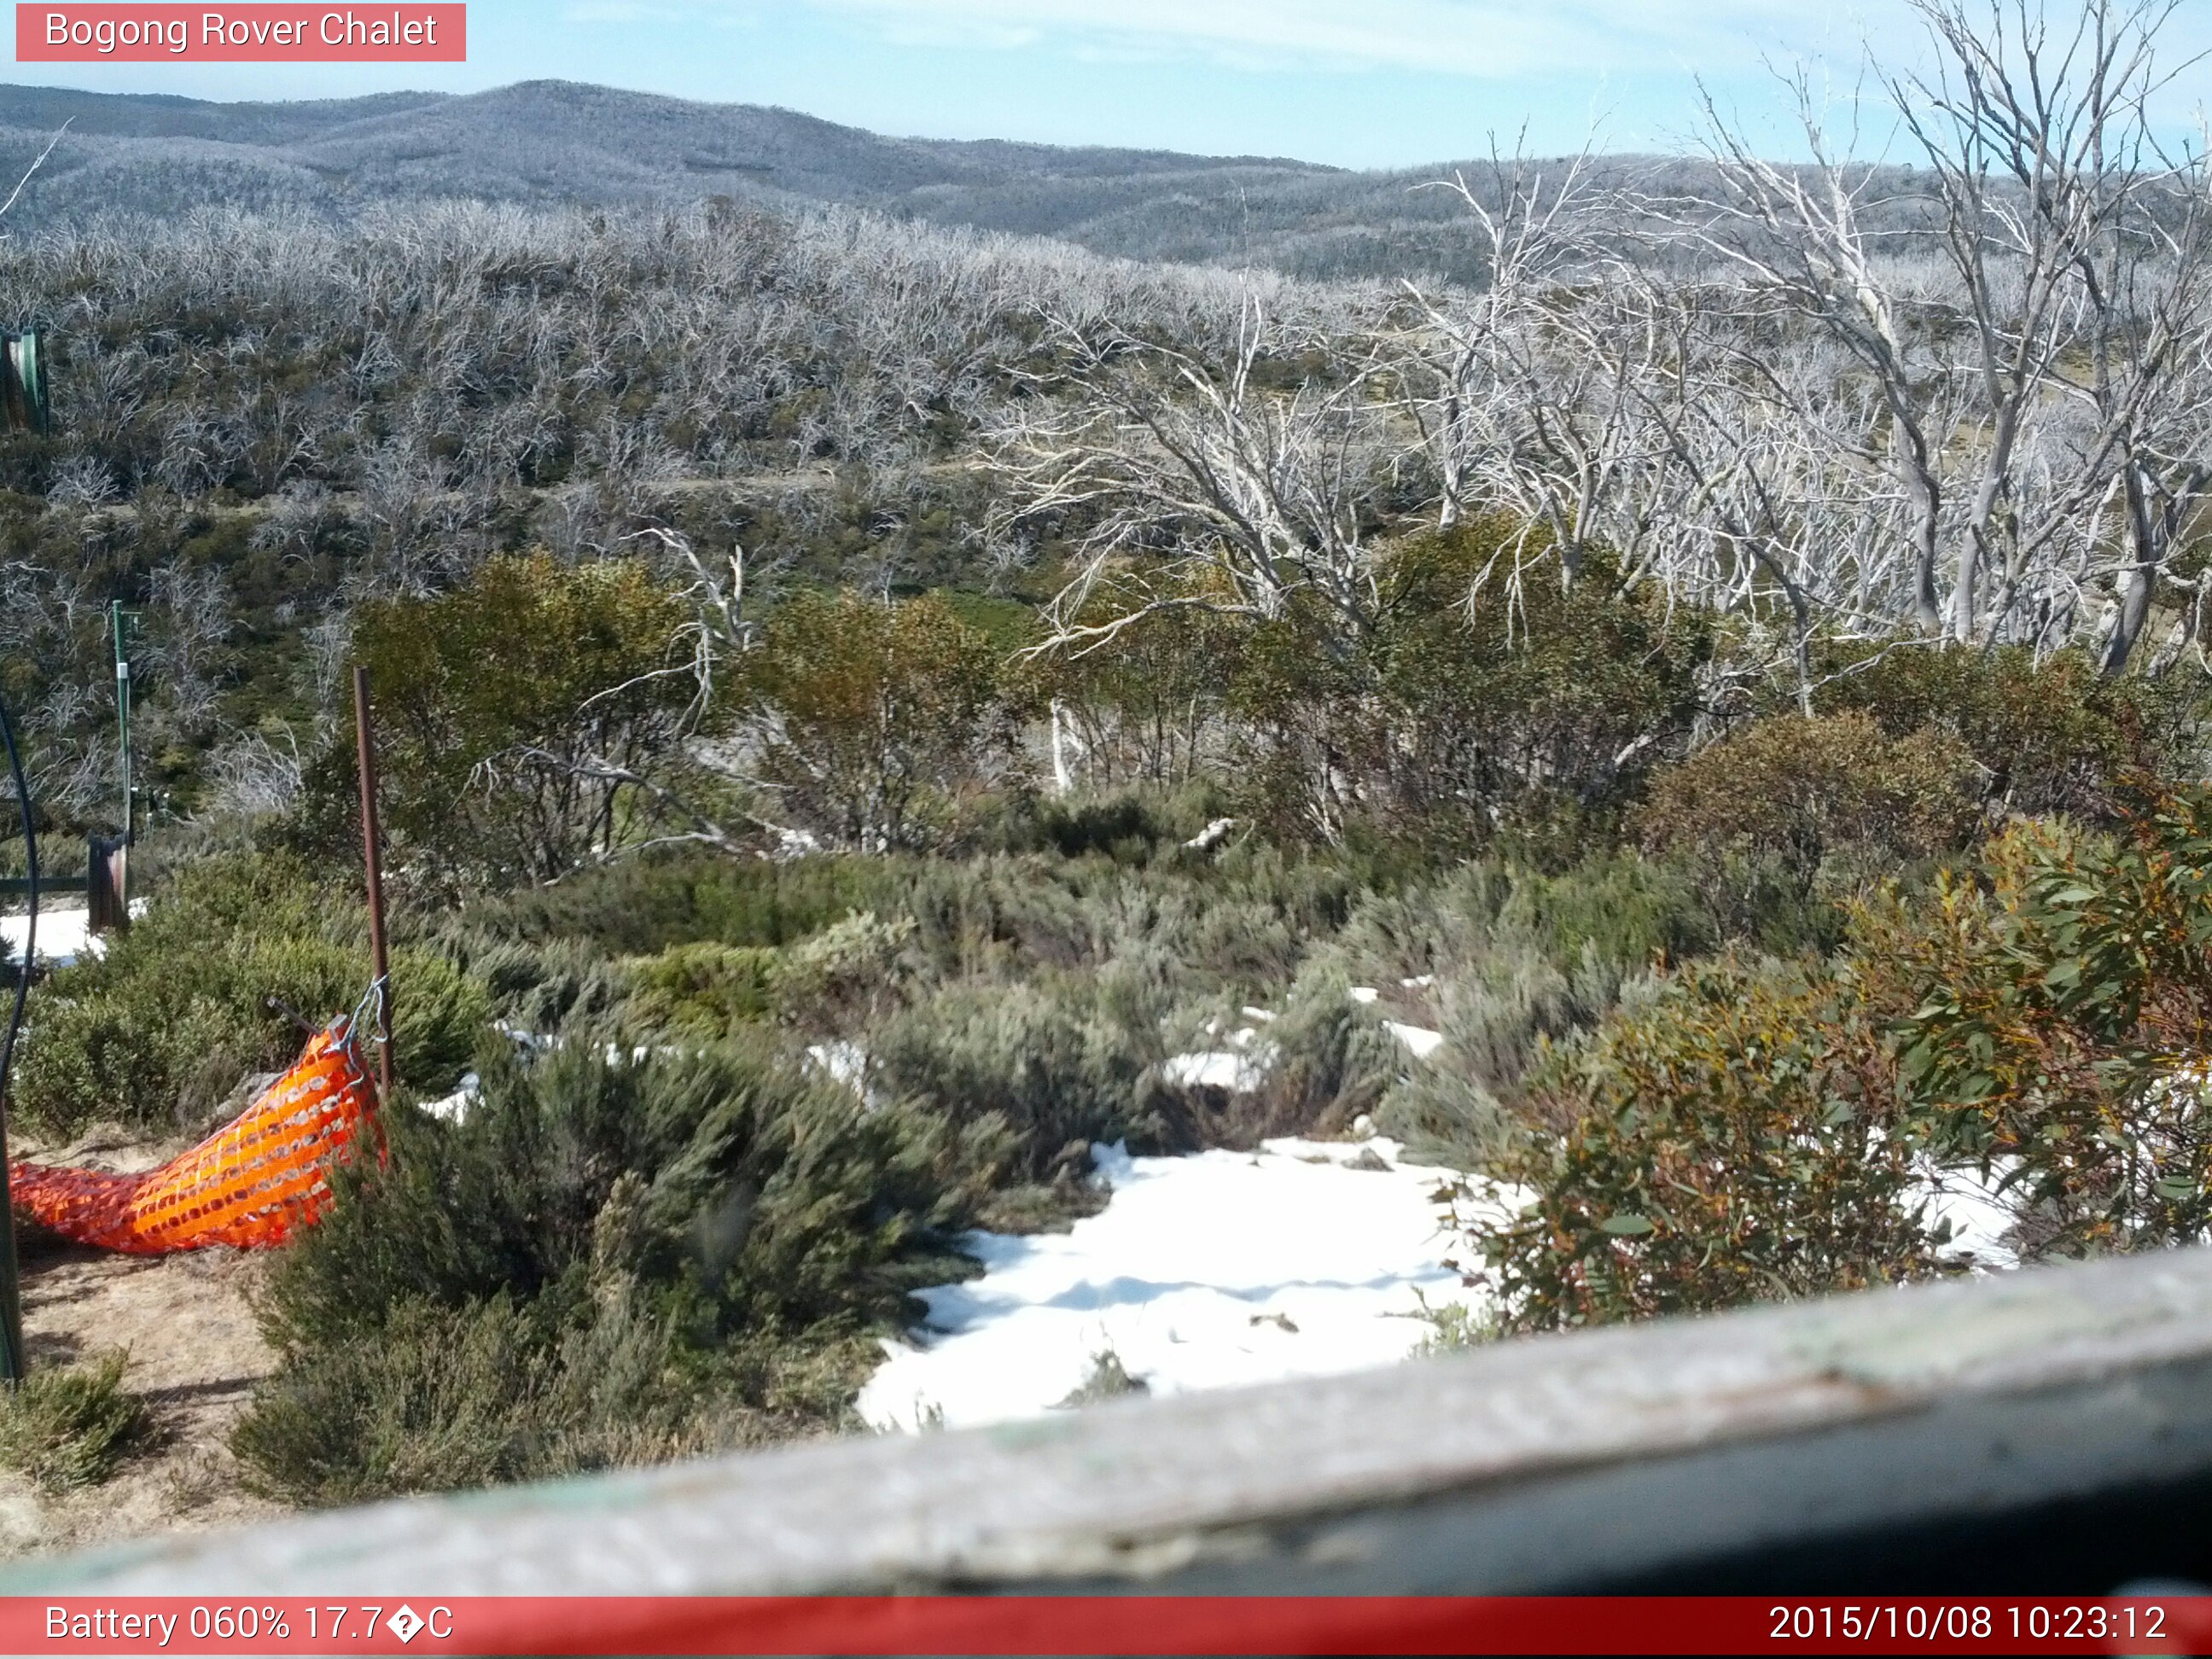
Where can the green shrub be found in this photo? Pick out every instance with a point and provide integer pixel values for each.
(502, 706)
(850, 974)
(2046, 736)
(449, 1399)
(1803, 788)
(1539, 698)
(1735, 1138)
(878, 715)
(1142, 701)
(160, 1031)
(778, 1194)
(847, 976)
(1498, 959)
(605, 1261)
(1133, 825)
(2054, 1007)
(445, 1399)
(541, 987)
(706, 989)
(69, 1428)
(1623, 909)
(1243, 922)
(638, 906)
(1494, 1015)
(1454, 1327)
(1741, 1132)
(1060, 1060)
(1328, 1057)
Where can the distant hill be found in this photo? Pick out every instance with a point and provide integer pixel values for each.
(557, 140)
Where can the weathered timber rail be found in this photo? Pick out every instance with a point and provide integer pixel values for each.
(2046, 1430)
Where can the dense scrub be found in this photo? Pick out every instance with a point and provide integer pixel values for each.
(223, 980)
(859, 705)
(727, 1109)
(609, 1260)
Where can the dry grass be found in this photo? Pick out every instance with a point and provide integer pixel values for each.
(193, 1354)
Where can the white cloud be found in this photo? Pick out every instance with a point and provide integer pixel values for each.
(1490, 39)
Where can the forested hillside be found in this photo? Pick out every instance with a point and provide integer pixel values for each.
(559, 144)
(863, 701)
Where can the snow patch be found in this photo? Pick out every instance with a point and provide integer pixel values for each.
(65, 936)
(845, 1062)
(1238, 1073)
(1419, 1041)
(454, 1108)
(1210, 837)
(1979, 1212)
(1240, 1067)
(1306, 1259)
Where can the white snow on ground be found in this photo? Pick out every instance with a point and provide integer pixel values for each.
(1419, 1041)
(1216, 1070)
(454, 1108)
(796, 844)
(845, 1062)
(1978, 1214)
(1210, 1271)
(63, 936)
(1240, 1067)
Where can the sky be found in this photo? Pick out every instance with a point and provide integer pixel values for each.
(1363, 83)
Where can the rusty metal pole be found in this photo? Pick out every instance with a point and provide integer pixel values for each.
(372, 859)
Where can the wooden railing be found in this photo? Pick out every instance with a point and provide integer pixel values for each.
(105, 882)
(2049, 1429)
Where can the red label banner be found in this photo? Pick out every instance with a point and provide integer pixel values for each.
(260, 33)
(1141, 1625)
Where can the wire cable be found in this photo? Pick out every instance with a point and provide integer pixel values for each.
(11, 1310)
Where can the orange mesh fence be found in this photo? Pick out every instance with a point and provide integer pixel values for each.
(254, 1182)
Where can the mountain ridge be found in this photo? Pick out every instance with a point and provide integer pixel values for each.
(544, 142)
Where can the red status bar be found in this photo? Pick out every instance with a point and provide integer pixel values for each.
(1139, 1624)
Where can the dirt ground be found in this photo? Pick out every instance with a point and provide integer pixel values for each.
(195, 1353)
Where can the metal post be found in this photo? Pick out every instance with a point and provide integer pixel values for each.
(372, 861)
(108, 866)
(117, 617)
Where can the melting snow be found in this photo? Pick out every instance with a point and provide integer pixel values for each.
(1419, 1041)
(1242, 1067)
(454, 1108)
(843, 1062)
(1306, 1259)
(64, 936)
(1980, 1215)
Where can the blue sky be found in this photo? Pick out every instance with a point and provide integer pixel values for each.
(1354, 82)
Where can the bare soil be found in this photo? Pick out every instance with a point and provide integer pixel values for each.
(186, 1323)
